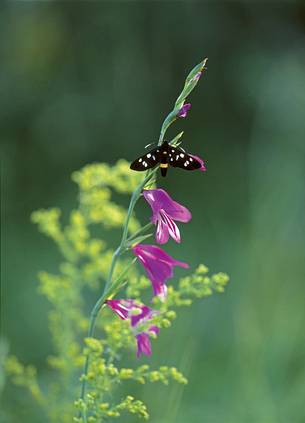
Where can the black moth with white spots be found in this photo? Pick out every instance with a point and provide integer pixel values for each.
(165, 155)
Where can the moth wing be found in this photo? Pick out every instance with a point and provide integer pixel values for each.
(179, 158)
(147, 161)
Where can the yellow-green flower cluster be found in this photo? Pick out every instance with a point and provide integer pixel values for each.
(99, 175)
(25, 376)
(83, 270)
(104, 410)
(95, 182)
(143, 374)
(197, 285)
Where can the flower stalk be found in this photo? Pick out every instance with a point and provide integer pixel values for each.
(113, 286)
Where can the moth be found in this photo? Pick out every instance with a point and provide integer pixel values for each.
(165, 156)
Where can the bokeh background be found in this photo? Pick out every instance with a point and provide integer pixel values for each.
(82, 82)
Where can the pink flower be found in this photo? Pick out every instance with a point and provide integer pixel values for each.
(139, 316)
(202, 168)
(158, 266)
(143, 342)
(165, 211)
(182, 113)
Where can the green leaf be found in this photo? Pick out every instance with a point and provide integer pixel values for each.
(175, 140)
(137, 240)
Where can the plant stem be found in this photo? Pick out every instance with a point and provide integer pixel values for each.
(134, 198)
(112, 267)
(93, 317)
(113, 286)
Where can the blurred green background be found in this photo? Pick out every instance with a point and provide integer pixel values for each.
(92, 81)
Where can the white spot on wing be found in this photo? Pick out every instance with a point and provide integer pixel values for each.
(148, 155)
(181, 155)
(140, 160)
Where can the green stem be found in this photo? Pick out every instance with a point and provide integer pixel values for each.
(118, 282)
(112, 267)
(93, 317)
(134, 198)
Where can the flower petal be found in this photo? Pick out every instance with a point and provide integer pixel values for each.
(121, 307)
(162, 233)
(182, 113)
(143, 344)
(171, 227)
(159, 199)
(151, 254)
(159, 289)
(202, 168)
(130, 309)
(145, 313)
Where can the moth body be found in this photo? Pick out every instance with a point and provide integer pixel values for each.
(165, 156)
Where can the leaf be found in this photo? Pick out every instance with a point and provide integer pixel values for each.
(175, 140)
(138, 240)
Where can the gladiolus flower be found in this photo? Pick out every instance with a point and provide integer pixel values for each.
(139, 316)
(158, 266)
(165, 211)
(182, 113)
